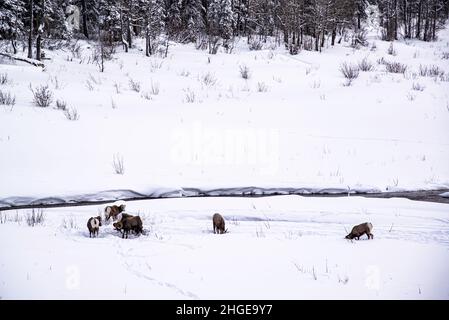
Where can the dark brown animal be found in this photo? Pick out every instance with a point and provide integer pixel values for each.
(129, 224)
(94, 224)
(218, 224)
(123, 216)
(114, 210)
(360, 230)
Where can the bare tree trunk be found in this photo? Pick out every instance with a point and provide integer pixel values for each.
(128, 25)
(418, 24)
(38, 47)
(396, 12)
(38, 38)
(426, 26)
(434, 22)
(334, 35)
(285, 37)
(84, 13)
(30, 33)
(125, 44)
(13, 44)
(406, 33)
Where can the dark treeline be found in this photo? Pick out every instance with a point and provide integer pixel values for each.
(297, 24)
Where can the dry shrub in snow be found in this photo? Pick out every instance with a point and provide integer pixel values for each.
(208, 79)
(7, 99)
(69, 223)
(184, 73)
(262, 87)
(445, 55)
(365, 65)
(36, 217)
(71, 114)
(134, 85)
(155, 65)
(154, 89)
(255, 45)
(391, 50)
(244, 72)
(118, 164)
(411, 96)
(430, 71)
(4, 78)
(349, 71)
(146, 95)
(417, 86)
(395, 67)
(190, 96)
(43, 96)
(61, 105)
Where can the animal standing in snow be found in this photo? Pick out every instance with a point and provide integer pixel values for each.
(360, 230)
(114, 210)
(129, 224)
(120, 218)
(218, 224)
(94, 224)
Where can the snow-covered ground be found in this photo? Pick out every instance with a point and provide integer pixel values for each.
(283, 247)
(291, 124)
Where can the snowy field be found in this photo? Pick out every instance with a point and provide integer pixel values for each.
(195, 122)
(283, 247)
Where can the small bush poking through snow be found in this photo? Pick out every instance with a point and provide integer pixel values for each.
(117, 87)
(69, 223)
(417, 86)
(262, 87)
(4, 78)
(154, 90)
(36, 217)
(89, 85)
(208, 79)
(365, 65)
(71, 114)
(190, 96)
(61, 105)
(146, 95)
(430, 71)
(134, 85)
(43, 97)
(244, 72)
(395, 67)
(118, 164)
(411, 97)
(184, 73)
(445, 55)
(7, 99)
(255, 45)
(349, 71)
(391, 50)
(155, 65)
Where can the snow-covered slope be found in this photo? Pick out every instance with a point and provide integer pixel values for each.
(283, 247)
(291, 124)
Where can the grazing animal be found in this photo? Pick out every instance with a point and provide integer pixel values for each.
(218, 224)
(120, 217)
(114, 210)
(94, 224)
(129, 224)
(360, 230)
